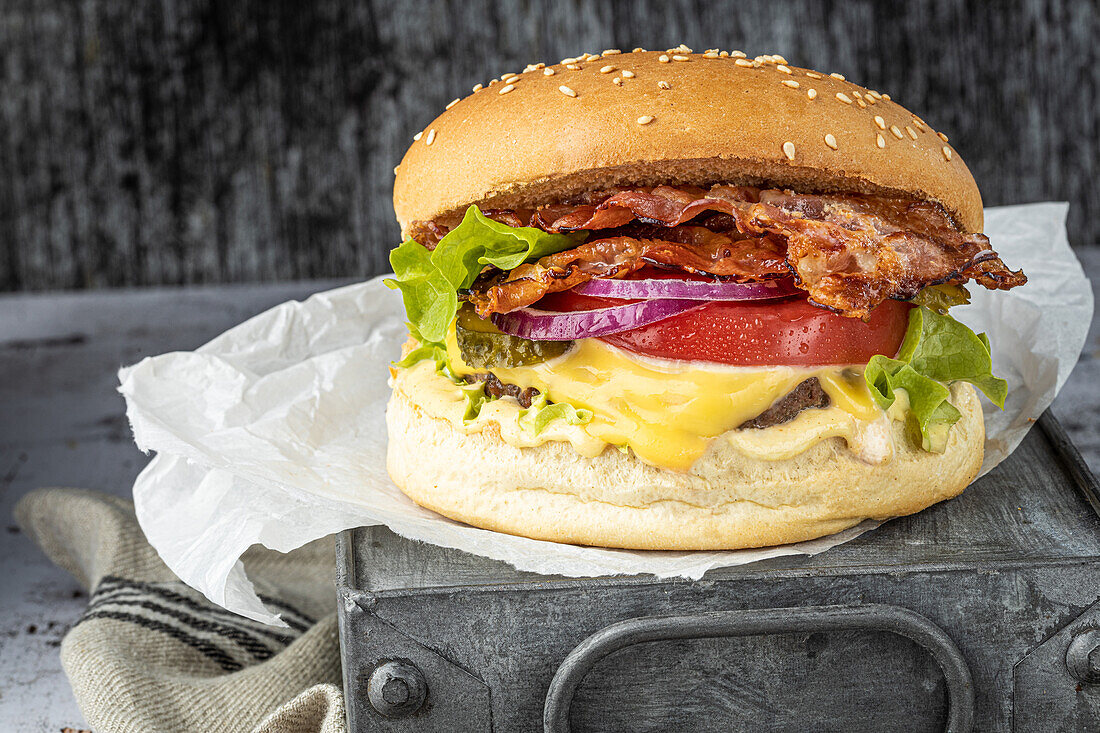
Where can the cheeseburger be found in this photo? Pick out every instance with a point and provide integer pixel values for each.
(685, 301)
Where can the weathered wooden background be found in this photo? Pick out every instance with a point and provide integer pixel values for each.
(180, 141)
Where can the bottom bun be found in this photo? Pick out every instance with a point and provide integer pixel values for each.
(726, 501)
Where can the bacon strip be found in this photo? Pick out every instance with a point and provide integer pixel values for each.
(665, 205)
(698, 250)
(864, 250)
(849, 252)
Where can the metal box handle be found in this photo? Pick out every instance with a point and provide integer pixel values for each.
(754, 622)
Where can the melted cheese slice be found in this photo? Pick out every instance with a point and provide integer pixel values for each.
(667, 412)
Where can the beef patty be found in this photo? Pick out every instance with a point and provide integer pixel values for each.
(808, 394)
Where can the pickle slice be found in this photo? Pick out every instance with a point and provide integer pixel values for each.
(483, 346)
(941, 297)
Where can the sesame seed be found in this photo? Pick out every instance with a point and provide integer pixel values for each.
(645, 119)
(811, 93)
(567, 91)
(874, 94)
(506, 88)
(919, 124)
(946, 153)
(509, 78)
(710, 55)
(611, 52)
(723, 54)
(886, 97)
(813, 75)
(681, 58)
(478, 87)
(911, 131)
(788, 150)
(548, 71)
(942, 136)
(880, 141)
(784, 69)
(743, 62)
(431, 137)
(607, 69)
(417, 135)
(538, 66)
(870, 99)
(638, 50)
(779, 58)
(568, 60)
(395, 169)
(573, 67)
(617, 81)
(738, 54)
(592, 57)
(681, 48)
(628, 74)
(897, 132)
(663, 58)
(844, 97)
(880, 122)
(861, 104)
(711, 50)
(830, 140)
(790, 83)
(837, 76)
(664, 85)
(452, 103)
(856, 94)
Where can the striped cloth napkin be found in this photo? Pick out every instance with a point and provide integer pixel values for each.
(151, 654)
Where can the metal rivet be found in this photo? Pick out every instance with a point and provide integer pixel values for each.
(1083, 656)
(396, 689)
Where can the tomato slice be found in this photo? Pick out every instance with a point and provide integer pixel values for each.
(787, 332)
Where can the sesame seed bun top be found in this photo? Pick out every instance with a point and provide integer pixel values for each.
(646, 118)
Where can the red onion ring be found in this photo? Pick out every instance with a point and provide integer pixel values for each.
(686, 289)
(540, 325)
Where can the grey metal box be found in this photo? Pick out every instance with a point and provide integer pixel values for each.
(983, 611)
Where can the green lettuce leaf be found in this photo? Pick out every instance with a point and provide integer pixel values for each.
(427, 295)
(475, 398)
(937, 351)
(540, 414)
(430, 280)
(438, 352)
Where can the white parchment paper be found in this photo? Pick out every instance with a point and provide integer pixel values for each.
(274, 432)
